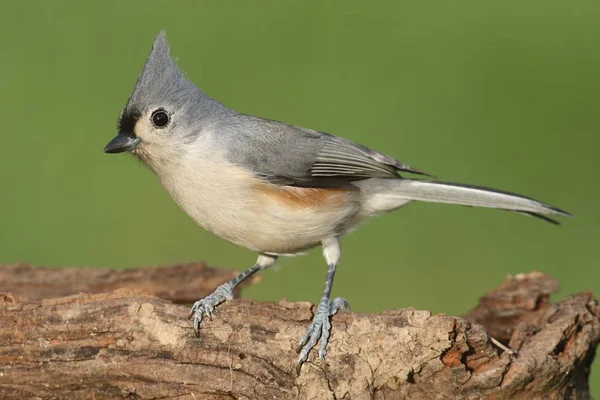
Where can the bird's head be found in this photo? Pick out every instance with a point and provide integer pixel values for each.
(164, 112)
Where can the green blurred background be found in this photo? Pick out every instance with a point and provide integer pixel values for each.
(504, 94)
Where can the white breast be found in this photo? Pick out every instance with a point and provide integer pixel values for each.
(230, 202)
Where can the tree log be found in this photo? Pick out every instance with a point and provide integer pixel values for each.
(180, 283)
(128, 344)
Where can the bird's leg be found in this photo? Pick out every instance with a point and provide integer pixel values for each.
(224, 292)
(320, 325)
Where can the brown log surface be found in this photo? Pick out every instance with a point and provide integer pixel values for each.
(180, 283)
(128, 344)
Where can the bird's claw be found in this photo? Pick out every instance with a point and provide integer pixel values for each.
(206, 306)
(319, 327)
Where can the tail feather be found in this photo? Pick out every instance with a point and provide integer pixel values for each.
(539, 216)
(395, 193)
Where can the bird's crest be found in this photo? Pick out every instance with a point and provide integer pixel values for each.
(160, 78)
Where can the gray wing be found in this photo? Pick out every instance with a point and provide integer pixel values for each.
(295, 156)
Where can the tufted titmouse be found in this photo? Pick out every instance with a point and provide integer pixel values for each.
(270, 187)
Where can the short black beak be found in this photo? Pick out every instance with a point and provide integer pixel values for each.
(122, 142)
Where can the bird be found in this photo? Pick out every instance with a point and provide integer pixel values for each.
(271, 187)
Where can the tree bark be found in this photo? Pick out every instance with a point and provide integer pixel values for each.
(128, 344)
(180, 283)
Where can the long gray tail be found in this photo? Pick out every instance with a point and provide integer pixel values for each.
(393, 193)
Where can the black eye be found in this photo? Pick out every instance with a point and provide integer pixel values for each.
(160, 118)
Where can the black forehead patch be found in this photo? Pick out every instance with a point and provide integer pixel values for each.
(127, 121)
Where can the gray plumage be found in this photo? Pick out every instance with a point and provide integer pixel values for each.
(315, 159)
(289, 155)
(269, 186)
(162, 82)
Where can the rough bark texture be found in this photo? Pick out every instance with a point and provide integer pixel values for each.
(127, 344)
(179, 283)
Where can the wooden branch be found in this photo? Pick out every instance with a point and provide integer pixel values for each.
(127, 344)
(523, 298)
(179, 283)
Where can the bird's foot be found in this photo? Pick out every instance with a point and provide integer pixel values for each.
(207, 305)
(320, 327)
